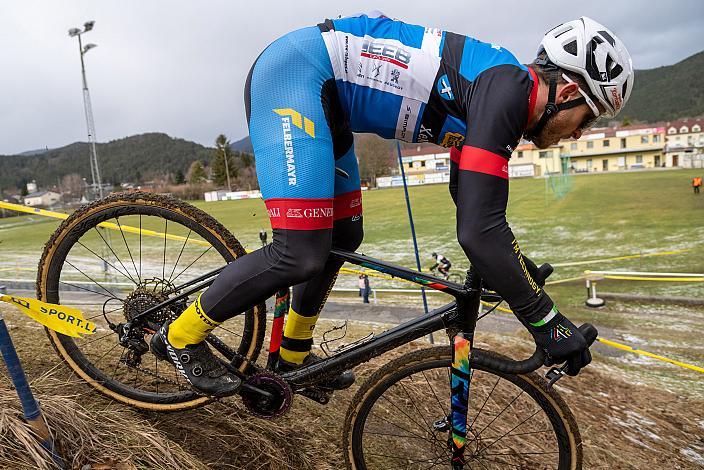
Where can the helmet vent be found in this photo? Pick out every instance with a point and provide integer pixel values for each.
(571, 47)
(608, 37)
(562, 29)
(625, 87)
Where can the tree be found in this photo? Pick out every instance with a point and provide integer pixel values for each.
(196, 173)
(223, 163)
(375, 158)
(179, 178)
(72, 185)
(247, 159)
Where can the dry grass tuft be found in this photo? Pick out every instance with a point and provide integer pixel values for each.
(111, 437)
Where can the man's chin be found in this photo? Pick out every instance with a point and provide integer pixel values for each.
(540, 143)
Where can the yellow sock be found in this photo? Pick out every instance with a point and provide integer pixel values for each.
(298, 336)
(191, 327)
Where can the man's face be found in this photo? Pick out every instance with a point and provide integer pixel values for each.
(567, 123)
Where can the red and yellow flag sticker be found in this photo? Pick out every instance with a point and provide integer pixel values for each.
(60, 318)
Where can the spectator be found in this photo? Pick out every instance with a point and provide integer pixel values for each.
(364, 289)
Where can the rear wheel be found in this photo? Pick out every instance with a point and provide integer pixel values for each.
(398, 419)
(117, 257)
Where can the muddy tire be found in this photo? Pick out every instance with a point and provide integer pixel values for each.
(387, 427)
(221, 245)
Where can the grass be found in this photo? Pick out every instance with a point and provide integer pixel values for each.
(603, 216)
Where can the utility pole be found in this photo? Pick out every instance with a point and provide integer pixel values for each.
(227, 170)
(90, 123)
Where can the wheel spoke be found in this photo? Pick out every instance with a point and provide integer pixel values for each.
(112, 251)
(179, 254)
(443, 409)
(192, 263)
(124, 274)
(94, 281)
(497, 416)
(129, 252)
(163, 266)
(508, 432)
(485, 401)
(88, 290)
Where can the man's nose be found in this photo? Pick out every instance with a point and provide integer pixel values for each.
(577, 134)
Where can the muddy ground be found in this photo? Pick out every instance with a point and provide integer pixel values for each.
(627, 420)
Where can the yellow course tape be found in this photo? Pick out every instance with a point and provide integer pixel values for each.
(616, 345)
(619, 258)
(108, 225)
(664, 279)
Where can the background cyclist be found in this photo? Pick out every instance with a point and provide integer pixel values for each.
(442, 263)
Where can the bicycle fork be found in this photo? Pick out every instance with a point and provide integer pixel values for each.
(460, 372)
(460, 378)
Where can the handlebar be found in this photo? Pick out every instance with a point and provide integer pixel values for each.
(533, 363)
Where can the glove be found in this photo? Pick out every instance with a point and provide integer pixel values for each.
(561, 341)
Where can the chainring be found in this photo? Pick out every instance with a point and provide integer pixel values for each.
(273, 384)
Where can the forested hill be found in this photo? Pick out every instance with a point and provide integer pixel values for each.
(660, 94)
(668, 93)
(135, 158)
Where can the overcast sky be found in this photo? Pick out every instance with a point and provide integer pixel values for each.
(179, 67)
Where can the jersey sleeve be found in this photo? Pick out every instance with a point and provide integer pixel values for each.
(496, 118)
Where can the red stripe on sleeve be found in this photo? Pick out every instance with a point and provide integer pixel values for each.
(483, 161)
(455, 154)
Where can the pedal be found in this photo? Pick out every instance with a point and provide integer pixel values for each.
(317, 394)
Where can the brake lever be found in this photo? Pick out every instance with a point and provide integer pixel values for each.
(556, 373)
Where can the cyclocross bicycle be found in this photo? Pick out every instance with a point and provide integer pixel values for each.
(454, 277)
(132, 261)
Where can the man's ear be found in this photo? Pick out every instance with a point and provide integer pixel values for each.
(567, 92)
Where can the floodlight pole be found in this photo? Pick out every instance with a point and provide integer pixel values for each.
(90, 123)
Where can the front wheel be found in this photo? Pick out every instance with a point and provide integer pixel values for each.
(398, 419)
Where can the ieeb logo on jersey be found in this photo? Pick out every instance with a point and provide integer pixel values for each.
(386, 52)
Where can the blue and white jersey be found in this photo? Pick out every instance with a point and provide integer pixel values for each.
(417, 84)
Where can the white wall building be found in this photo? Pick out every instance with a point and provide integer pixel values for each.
(42, 199)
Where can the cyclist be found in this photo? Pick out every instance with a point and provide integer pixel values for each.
(311, 89)
(442, 263)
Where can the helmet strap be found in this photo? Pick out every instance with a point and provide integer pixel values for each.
(551, 108)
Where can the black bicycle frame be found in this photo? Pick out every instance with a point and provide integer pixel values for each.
(460, 315)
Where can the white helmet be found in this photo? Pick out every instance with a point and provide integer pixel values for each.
(588, 48)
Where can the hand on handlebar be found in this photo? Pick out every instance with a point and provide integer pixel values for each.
(562, 341)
